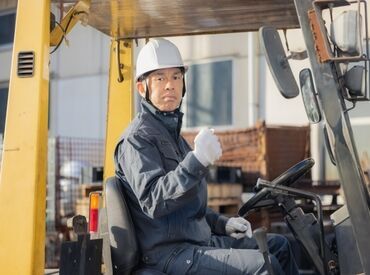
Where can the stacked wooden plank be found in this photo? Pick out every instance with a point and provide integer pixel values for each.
(262, 151)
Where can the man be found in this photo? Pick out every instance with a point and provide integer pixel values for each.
(164, 182)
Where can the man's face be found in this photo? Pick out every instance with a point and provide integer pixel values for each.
(165, 88)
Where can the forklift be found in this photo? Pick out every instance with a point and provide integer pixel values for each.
(337, 81)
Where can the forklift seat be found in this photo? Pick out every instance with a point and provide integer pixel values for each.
(124, 248)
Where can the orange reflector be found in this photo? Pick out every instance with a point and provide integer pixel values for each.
(94, 200)
(94, 212)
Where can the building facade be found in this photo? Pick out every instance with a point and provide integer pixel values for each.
(229, 85)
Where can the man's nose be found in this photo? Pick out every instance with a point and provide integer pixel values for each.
(169, 84)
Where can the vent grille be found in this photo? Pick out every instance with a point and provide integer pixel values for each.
(26, 64)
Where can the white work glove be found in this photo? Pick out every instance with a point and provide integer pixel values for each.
(207, 148)
(238, 228)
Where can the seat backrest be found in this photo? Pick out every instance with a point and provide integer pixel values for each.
(124, 249)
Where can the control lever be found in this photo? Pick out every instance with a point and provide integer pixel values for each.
(260, 235)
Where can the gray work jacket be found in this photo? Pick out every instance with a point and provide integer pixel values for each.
(164, 186)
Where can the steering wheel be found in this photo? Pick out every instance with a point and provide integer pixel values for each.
(287, 178)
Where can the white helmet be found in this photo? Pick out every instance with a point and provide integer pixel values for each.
(158, 54)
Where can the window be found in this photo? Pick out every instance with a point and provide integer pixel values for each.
(3, 104)
(7, 25)
(209, 96)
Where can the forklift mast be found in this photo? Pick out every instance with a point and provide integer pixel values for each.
(338, 126)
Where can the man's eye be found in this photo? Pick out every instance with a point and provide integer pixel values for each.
(159, 79)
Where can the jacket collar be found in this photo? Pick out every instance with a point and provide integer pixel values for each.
(171, 120)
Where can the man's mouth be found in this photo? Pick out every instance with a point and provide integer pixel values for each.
(170, 98)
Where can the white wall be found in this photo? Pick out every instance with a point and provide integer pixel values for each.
(271, 106)
(5, 63)
(278, 109)
(78, 106)
(207, 47)
(79, 85)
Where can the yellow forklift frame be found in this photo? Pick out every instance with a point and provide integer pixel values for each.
(23, 168)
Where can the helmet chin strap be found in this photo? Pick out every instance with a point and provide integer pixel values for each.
(147, 92)
(183, 87)
(183, 93)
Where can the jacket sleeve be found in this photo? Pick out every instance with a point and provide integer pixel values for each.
(159, 193)
(216, 221)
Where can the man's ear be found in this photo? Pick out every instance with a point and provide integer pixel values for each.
(140, 87)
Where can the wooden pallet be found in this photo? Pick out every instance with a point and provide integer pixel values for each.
(228, 206)
(225, 198)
